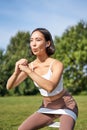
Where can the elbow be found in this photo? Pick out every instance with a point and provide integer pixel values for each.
(7, 87)
(49, 91)
(51, 88)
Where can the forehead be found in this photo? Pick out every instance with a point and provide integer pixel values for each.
(37, 34)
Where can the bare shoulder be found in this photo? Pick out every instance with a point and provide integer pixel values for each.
(58, 64)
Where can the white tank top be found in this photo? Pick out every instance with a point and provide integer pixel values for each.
(58, 88)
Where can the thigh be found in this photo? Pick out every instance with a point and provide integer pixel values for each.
(66, 123)
(36, 121)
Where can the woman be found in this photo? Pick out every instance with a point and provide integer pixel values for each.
(46, 72)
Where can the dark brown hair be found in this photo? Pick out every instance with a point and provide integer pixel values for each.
(47, 35)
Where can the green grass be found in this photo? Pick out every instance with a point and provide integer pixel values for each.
(14, 110)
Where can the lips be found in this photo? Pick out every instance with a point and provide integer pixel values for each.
(34, 49)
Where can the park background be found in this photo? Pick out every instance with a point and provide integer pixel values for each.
(68, 23)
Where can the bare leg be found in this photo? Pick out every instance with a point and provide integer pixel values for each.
(36, 121)
(66, 123)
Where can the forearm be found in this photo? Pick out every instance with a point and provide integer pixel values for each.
(11, 81)
(18, 76)
(42, 82)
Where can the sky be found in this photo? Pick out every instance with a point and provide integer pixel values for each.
(26, 15)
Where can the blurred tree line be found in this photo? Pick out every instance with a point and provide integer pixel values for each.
(71, 49)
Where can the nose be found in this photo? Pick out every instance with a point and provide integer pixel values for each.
(33, 43)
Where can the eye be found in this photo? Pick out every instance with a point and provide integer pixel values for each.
(38, 39)
(31, 40)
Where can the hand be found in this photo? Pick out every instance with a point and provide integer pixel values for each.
(20, 62)
(24, 68)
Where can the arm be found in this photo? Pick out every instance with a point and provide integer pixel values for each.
(18, 76)
(48, 85)
(15, 80)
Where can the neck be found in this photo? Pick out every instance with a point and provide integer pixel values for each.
(42, 58)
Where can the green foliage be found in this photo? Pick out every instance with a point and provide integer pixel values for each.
(17, 49)
(3, 76)
(71, 49)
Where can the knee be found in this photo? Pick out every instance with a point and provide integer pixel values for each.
(20, 128)
(23, 127)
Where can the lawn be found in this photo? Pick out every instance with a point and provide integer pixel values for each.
(13, 110)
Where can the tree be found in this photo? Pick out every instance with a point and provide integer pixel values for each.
(3, 91)
(17, 49)
(71, 49)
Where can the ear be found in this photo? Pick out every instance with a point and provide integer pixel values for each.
(47, 44)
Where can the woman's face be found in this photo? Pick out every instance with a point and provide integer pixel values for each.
(38, 43)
